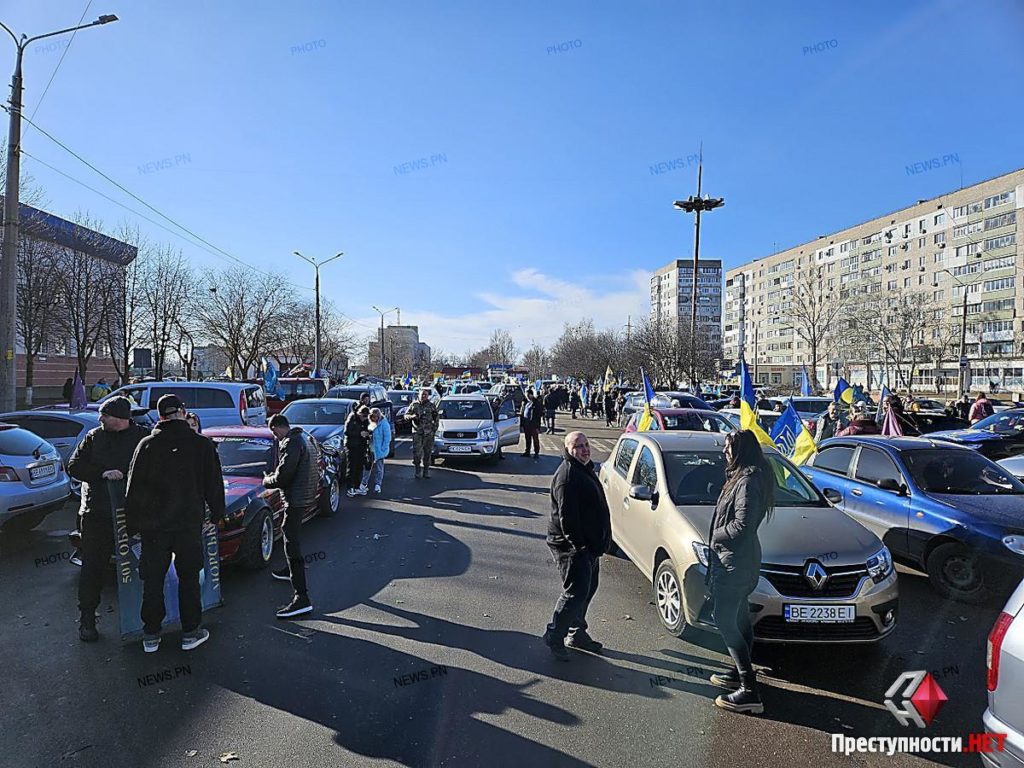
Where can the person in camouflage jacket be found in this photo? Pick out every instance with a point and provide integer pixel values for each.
(424, 417)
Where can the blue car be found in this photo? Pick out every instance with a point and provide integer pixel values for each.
(946, 510)
(999, 436)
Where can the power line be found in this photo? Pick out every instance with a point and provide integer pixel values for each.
(62, 55)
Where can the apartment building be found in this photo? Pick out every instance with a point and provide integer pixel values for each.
(403, 350)
(672, 292)
(965, 241)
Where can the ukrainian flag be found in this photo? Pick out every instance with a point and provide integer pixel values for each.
(792, 437)
(748, 407)
(645, 420)
(843, 393)
(609, 379)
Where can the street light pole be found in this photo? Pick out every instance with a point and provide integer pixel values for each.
(316, 268)
(963, 335)
(9, 267)
(383, 312)
(696, 205)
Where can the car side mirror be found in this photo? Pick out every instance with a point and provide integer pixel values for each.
(502, 417)
(891, 484)
(641, 493)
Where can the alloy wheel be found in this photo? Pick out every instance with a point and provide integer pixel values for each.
(668, 597)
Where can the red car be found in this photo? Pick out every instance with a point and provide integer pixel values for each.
(295, 389)
(691, 419)
(253, 516)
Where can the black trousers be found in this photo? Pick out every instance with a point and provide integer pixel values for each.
(549, 420)
(580, 572)
(97, 547)
(293, 551)
(356, 463)
(157, 547)
(732, 615)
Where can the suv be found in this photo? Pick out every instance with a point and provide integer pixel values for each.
(378, 399)
(295, 389)
(467, 427)
(217, 403)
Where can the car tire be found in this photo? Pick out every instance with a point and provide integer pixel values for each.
(25, 522)
(668, 598)
(255, 551)
(955, 572)
(330, 500)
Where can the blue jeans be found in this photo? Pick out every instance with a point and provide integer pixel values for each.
(376, 470)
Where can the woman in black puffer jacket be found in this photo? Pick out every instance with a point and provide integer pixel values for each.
(747, 498)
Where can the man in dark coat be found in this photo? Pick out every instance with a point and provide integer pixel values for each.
(175, 476)
(530, 423)
(579, 533)
(609, 408)
(101, 458)
(298, 476)
(357, 435)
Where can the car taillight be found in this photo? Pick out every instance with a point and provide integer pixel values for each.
(8, 475)
(995, 644)
(241, 407)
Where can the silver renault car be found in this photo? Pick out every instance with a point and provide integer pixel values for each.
(467, 427)
(824, 576)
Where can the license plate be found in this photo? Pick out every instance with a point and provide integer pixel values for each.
(460, 449)
(44, 471)
(820, 614)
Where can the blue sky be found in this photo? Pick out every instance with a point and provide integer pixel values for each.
(529, 131)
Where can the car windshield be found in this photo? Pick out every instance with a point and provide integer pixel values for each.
(317, 413)
(401, 398)
(248, 456)
(696, 478)
(464, 409)
(21, 442)
(1003, 423)
(809, 406)
(307, 388)
(943, 470)
(349, 393)
(711, 422)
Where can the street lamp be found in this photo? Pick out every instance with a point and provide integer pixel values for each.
(696, 205)
(963, 334)
(383, 312)
(316, 267)
(9, 267)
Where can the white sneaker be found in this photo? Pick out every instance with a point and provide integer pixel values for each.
(350, 492)
(376, 489)
(362, 491)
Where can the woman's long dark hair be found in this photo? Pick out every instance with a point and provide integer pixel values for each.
(747, 457)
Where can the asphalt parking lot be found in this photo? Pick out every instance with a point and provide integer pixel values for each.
(423, 650)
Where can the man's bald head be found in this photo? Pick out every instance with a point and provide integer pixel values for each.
(577, 446)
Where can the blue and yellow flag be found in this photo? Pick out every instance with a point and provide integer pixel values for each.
(609, 379)
(805, 383)
(644, 423)
(880, 413)
(843, 393)
(748, 407)
(792, 437)
(408, 380)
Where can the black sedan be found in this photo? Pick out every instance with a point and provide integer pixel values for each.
(324, 419)
(999, 436)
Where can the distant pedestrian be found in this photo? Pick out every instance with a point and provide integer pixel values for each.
(424, 417)
(829, 423)
(99, 390)
(66, 391)
(175, 476)
(981, 409)
(579, 533)
(574, 402)
(103, 457)
(380, 446)
(550, 403)
(357, 445)
(859, 423)
(963, 406)
(609, 408)
(530, 423)
(297, 476)
(746, 499)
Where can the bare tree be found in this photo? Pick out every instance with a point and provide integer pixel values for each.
(583, 352)
(37, 301)
(165, 294)
(537, 360)
(337, 341)
(813, 311)
(897, 329)
(125, 325)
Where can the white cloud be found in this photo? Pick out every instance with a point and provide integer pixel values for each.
(533, 307)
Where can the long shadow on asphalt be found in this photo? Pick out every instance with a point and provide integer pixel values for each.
(510, 648)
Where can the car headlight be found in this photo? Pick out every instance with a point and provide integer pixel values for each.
(1015, 543)
(333, 442)
(489, 433)
(702, 552)
(880, 564)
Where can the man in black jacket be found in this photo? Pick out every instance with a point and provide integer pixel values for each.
(357, 437)
(579, 534)
(298, 477)
(174, 477)
(102, 457)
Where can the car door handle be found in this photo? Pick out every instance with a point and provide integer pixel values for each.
(856, 491)
(832, 495)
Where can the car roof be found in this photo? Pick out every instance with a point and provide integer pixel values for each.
(401, 391)
(239, 431)
(681, 440)
(736, 411)
(199, 384)
(465, 396)
(91, 416)
(804, 398)
(321, 401)
(896, 443)
(682, 411)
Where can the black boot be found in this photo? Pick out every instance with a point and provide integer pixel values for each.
(729, 680)
(743, 699)
(87, 629)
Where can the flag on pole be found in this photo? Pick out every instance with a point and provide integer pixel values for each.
(891, 427)
(792, 437)
(271, 379)
(351, 377)
(805, 383)
(748, 407)
(408, 380)
(609, 379)
(880, 413)
(843, 393)
(78, 397)
(584, 394)
(645, 420)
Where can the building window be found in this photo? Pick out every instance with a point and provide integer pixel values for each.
(966, 250)
(1002, 220)
(1000, 284)
(937, 258)
(1001, 199)
(906, 282)
(938, 295)
(1000, 263)
(938, 237)
(940, 218)
(1000, 242)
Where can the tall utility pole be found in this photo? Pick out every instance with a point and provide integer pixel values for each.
(9, 265)
(696, 205)
(629, 327)
(383, 312)
(316, 267)
(963, 334)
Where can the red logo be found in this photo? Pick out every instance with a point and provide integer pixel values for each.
(920, 697)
